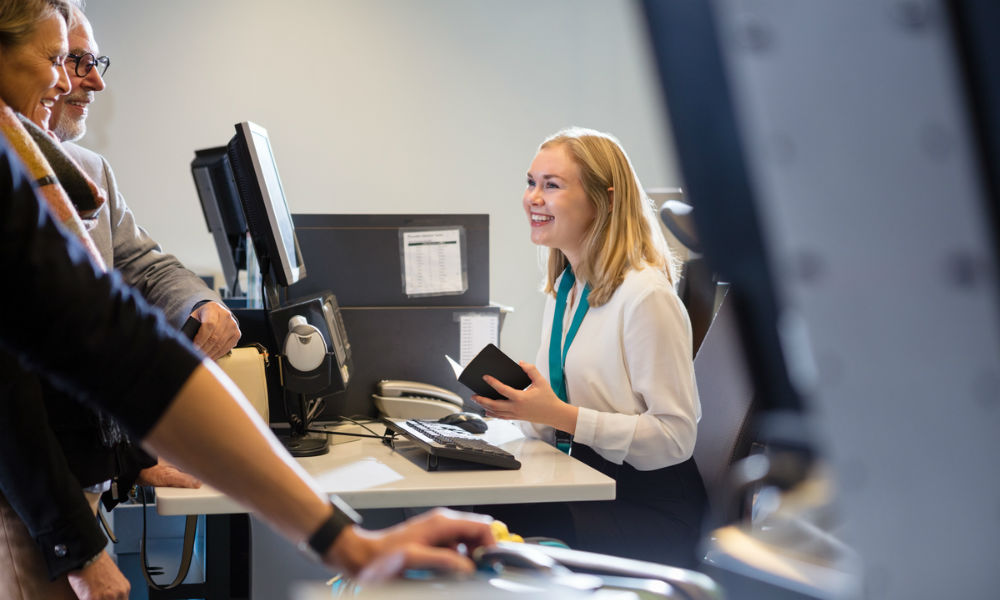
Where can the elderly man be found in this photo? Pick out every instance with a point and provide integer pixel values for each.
(97, 456)
(123, 244)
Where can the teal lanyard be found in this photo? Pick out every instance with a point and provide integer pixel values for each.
(559, 349)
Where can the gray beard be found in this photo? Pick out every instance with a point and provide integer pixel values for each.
(69, 131)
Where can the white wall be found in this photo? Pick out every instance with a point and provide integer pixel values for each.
(373, 106)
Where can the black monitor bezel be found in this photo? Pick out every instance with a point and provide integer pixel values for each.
(261, 206)
(223, 211)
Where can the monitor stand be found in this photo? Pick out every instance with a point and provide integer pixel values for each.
(299, 441)
(310, 444)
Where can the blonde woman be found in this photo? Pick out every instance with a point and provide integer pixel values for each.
(614, 381)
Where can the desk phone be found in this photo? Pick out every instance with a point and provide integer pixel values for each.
(397, 399)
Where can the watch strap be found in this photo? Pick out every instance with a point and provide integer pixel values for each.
(324, 537)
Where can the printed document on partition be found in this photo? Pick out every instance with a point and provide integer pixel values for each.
(432, 262)
(475, 331)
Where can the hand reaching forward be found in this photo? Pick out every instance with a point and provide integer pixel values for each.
(427, 541)
(537, 403)
(164, 474)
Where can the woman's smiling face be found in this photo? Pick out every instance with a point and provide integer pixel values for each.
(32, 74)
(556, 203)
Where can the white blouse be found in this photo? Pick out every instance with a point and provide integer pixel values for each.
(630, 371)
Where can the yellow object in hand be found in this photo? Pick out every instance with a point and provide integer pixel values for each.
(501, 533)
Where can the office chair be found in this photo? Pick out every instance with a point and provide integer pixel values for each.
(726, 395)
(723, 386)
(699, 288)
(702, 294)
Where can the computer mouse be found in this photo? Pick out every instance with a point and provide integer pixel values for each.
(470, 422)
(518, 556)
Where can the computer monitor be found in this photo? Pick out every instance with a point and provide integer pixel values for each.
(266, 210)
(220, 205)
(296, 325)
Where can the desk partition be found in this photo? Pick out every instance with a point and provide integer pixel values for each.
(394, 334)
(358, 258)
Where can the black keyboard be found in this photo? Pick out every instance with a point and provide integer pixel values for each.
(442, 441)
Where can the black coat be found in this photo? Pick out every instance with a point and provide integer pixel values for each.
(73, 323)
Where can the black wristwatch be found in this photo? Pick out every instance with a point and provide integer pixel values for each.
(324, 537)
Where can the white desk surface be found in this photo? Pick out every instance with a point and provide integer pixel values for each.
(368, 474)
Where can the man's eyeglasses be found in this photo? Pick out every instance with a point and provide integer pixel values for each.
(84, 63)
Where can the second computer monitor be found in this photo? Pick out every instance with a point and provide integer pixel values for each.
(223, 211)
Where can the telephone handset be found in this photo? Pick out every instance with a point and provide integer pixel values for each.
(399, 399)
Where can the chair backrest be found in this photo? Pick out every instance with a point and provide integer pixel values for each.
(726, 394)
(700, 292)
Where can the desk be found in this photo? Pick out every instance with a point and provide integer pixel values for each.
(367, 474)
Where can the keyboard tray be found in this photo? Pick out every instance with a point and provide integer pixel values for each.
(448, 442)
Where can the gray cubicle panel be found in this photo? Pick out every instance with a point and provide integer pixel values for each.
(401, 343)
(357, 257)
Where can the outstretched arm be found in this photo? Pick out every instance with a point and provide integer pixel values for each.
(159, 276)
(249, 464)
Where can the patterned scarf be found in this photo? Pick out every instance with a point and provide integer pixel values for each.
(27, 139)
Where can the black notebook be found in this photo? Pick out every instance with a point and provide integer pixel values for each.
(492, 361)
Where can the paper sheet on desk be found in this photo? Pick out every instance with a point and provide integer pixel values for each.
(360, 475)
(502, 431)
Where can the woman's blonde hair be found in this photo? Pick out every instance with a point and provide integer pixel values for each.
(19, 18)
(625, 234)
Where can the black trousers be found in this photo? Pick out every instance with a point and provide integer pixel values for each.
(655, 516)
